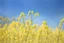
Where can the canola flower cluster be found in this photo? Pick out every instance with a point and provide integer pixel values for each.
(27, 32)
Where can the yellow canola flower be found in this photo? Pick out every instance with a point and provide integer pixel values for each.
(28, 23)
(22, 14)
(32, 12)
(19, 18)
(29, 12)
(36, 14)
(16, 32)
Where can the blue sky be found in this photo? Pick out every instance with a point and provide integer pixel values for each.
(50, 10)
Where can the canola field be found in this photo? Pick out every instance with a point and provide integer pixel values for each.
(26, 31)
